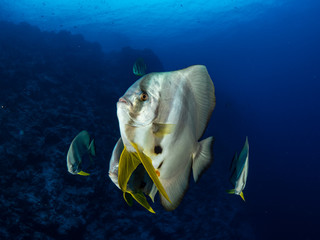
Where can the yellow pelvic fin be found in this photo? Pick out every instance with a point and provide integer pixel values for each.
(141, 198)
(147, 163)
(82, 173)
(242, 196)
(162, 129)
(128, 198)
(127, 164)
(230, 191)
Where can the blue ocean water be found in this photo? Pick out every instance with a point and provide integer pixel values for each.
(65, 66)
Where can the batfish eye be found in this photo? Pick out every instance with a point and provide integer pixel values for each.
(144, 96)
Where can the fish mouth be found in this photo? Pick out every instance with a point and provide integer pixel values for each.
(124, 100)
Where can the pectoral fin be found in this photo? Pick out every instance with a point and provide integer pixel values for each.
(146, 161)
(82, 173)
(162, 129)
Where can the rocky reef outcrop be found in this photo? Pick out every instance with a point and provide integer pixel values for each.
(52, 86)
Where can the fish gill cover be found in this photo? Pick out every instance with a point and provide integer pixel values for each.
(63, 69)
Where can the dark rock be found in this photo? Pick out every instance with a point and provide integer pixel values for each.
(53, 85)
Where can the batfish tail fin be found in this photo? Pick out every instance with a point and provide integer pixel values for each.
(202, 158)
(176, 187)
(82, 173)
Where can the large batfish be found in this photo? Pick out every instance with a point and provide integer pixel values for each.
(239, 171)
(162, 116)
(81, 145)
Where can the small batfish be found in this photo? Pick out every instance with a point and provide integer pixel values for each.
(139, 67)
(81, 145)
(239, 169)
(162, 116)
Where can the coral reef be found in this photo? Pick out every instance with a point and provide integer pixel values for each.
(52, 86)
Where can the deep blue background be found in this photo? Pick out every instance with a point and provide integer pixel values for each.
(274, 86)
(266, 71)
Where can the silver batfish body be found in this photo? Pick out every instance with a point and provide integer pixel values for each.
(163, 116)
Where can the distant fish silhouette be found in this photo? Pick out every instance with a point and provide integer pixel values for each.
(139, 67)
(239, 169)
(80, 145)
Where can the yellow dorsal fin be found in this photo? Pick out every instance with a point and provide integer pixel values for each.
(147, 163)
(82, 173)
